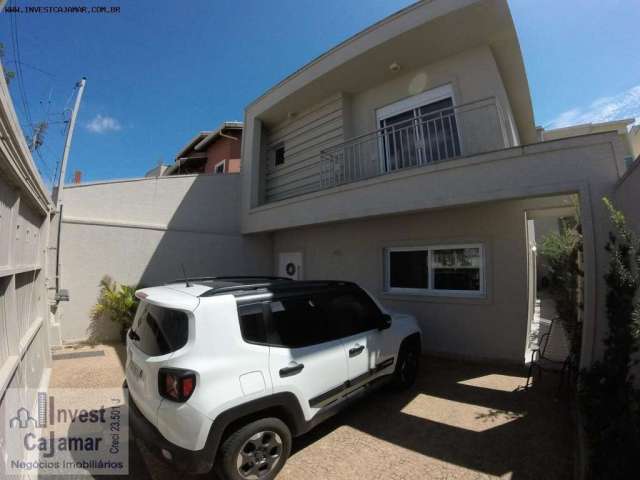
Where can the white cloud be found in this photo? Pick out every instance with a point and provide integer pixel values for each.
(605, 109)
(103, 124)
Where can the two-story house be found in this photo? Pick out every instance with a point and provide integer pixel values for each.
(407, 159)
(216, 151)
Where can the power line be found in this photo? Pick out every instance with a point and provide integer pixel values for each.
(44, 164)
(37, 69)
(16, 52)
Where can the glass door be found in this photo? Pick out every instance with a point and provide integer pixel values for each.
(439, 131)
(419, 135)
(400, 141)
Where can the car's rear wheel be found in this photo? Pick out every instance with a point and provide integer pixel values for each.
(255, 451)
(407, 366)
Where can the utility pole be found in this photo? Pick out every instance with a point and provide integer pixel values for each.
(63, 295)
(38, 136)
(67, 143)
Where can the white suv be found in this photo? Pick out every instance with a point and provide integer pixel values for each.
(226, 371)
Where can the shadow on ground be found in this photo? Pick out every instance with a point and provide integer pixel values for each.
(460, 420)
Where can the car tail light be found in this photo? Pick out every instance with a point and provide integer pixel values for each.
(176, 384)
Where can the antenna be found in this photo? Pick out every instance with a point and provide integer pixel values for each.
(186, 279)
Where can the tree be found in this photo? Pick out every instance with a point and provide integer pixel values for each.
(8, 74)
(610, 404)
(563, 252)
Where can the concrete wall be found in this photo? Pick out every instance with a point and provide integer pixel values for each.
(548, 167)
(24, 314)
(627, 196)
(304, 136)
(142, 231)
(491, 327)
(629, 141)
(473, 76)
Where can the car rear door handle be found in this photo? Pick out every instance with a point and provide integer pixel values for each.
(291, 370)
(356, 350)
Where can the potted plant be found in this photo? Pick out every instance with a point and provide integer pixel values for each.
(116, 302)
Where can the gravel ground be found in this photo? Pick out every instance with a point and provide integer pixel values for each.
(460, 421)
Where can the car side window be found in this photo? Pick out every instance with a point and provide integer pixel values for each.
(351, 312)
(297, 322)
(252, 323)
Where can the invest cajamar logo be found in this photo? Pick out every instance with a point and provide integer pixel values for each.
(48, 415)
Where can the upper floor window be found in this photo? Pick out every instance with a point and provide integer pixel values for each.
(436, 270)
(279, 155)
(419, 129)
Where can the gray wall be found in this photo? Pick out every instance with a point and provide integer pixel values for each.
(142, 231)
(304, 137)
(24, 227)
(627, 196)
(493, 327)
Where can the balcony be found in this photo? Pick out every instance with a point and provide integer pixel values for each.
(413, 139)
(430, 137)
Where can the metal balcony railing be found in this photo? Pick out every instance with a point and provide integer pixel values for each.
(435, 136)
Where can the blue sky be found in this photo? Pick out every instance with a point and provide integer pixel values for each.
(160, 71)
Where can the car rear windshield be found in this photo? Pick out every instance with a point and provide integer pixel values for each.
(158, 330)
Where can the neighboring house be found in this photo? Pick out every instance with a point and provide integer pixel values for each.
(25, 206)
(630, 136)
(407, 159)
(157, 171)
(211, 152)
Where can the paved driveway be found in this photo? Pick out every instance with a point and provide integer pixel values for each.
(461, 420)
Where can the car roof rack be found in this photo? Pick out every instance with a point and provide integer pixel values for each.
(230, 278)
(278, 285)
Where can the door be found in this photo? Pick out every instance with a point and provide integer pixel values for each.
(438, 132)
(532, 275)
(419, 130)
(358, 319)
(290, 265)
(304, 356)
(400, 141)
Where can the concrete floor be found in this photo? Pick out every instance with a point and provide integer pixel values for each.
(460, 421)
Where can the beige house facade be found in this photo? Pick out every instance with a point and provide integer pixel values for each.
(413, 166)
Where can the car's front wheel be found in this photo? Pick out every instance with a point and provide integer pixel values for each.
(407, 366)
(257, 450)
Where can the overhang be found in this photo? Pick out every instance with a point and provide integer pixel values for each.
(619, 126)
(220, 131)
(420, 34)
(192, 143)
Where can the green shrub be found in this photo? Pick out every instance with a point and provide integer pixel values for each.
(562, 252)
(610, 405)
(117, 303)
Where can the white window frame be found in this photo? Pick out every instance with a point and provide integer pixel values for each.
(411, 103)
(416, 101)
(430, 291)
(215, 167)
